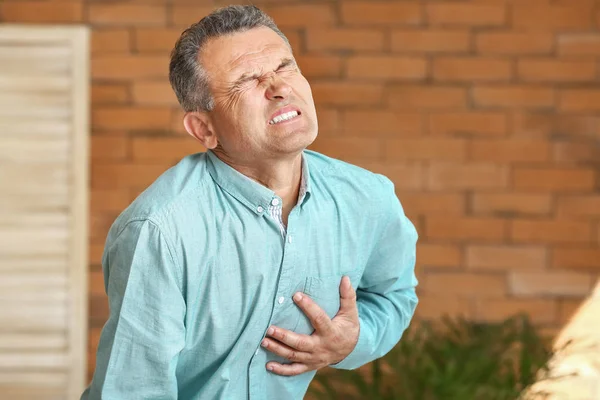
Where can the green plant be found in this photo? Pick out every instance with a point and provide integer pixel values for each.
(453, 359)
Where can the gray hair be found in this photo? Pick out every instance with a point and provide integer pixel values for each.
(188, 79)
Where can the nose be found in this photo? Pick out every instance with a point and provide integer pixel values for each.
(278, 89)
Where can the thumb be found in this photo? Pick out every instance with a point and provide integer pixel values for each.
(347, 297)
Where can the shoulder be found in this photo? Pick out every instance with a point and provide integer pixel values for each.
(350, 180)
(173, 191)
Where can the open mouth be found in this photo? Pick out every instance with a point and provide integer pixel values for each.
(284, 117)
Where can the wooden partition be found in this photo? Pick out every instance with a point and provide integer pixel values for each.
(44, 108)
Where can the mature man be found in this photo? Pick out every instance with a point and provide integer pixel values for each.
(232, 276)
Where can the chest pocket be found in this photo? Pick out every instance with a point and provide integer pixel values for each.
(325, 291)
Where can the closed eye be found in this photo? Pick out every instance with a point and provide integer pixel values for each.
(286, 62)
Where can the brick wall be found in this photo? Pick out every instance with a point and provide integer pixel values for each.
(485, 113)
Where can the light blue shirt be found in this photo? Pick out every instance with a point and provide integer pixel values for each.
(196, 269)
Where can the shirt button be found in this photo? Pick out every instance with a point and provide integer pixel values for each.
(275, 202)
(260, 209)
(280, 300)
(290, 239)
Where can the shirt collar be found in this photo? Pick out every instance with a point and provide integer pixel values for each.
(249, 192)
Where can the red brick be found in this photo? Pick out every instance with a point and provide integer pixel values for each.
(108, 200)
(109, 147)
(320, 66)
(583, 100)
(95, 253)
(186, 15)
(428, 203)
(513, 96)
(156, 39)
(406, 176)
(468, 69)
(579, 44)
(109, 93)
(176, 126)
(131, 118)
(99, 226)
(483, 123)
(579, 206)
(431, 41)
(428, 97)
(96, 283)
(467, 176)
(576, 152)
(381, 13)
(567, 309)
(386, 68)
(127, 14)
(466, 14)
(126, 67)
(110, 41)
(344, 39)
(464, 229)
(556, 179)
(550, 231)
(300, 15)
(98, 308)
(164, 149)
(41, 11)
(426, 149)
(465, 284)
(348, 148)
(539, 70)
(154, 93)
(385, 122)
(333, 93)
(512, 203)
(439, 255)
(502, 257)
(549, 284)
(329, 120)
(551, 17)
(555, 125)
(509, 150)
(518, 43)
(295, 37)
(540, 311)
(433, 306)
(125, 175)
(576, 258)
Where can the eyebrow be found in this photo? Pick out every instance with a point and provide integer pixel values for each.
(248, 76)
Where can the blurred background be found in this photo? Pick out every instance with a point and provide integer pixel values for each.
(484, 113)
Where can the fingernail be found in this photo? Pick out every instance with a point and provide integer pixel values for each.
(270, 331)
(298, 297)
(264, 343)
(270, 367)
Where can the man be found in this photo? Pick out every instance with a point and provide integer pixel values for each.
(232, 276)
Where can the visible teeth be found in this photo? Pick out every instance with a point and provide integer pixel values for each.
(283, 117)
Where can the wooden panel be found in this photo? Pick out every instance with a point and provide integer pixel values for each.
(44, 128)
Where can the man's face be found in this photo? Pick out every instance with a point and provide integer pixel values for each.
(263, 105)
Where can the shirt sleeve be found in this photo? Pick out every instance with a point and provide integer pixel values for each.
(140, 343)
(386, 296)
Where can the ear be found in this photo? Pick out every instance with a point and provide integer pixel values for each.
(199, 126)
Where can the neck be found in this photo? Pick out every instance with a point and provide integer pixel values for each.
(283, 176)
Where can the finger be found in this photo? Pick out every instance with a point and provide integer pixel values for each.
(317, 316)
(285, 351)
(347, 298)
(292, 339)
(287, 369)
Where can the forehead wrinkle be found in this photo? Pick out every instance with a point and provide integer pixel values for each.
(248, 61)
